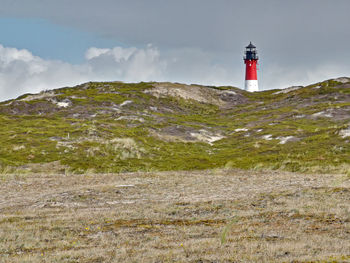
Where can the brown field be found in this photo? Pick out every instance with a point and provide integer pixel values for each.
(204, 216)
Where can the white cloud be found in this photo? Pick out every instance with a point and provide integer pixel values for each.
(126, 64)
(296, 44)
(95, 52)
(22, 72)
(277, 77)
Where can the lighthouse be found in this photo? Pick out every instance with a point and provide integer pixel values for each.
(251, 60)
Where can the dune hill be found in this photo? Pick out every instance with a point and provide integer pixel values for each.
(120, 127)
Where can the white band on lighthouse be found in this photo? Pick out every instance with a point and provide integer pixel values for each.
(251, 85)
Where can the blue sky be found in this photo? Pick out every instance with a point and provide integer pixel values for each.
(50, 41)
(47, 44)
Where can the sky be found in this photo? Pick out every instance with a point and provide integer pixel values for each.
(46, 44)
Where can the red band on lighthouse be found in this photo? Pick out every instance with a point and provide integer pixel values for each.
(251, 76)
(250, 70)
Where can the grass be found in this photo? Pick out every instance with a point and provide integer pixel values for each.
(200, 216)
(37, 132)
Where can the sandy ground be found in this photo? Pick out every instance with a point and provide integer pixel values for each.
(204, 216)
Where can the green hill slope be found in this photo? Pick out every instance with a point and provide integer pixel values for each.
(118, 127)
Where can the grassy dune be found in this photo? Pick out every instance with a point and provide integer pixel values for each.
(113, 127)
(202, 216)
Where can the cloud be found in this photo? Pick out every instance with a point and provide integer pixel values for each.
(197, 41)
(296, 27)
(22, 72)
(276, 77)
(126, 64)
(96, 52)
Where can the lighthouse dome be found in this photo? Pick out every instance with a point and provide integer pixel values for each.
(250, 46)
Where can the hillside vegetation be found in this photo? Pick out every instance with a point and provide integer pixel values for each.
(120, 127)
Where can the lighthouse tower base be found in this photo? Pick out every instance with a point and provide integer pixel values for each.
(251, 85)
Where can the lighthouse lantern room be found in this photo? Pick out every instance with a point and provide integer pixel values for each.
(251, 60)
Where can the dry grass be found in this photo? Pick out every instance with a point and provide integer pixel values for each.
(207, 216)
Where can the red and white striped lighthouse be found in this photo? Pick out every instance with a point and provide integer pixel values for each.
(251, 60)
